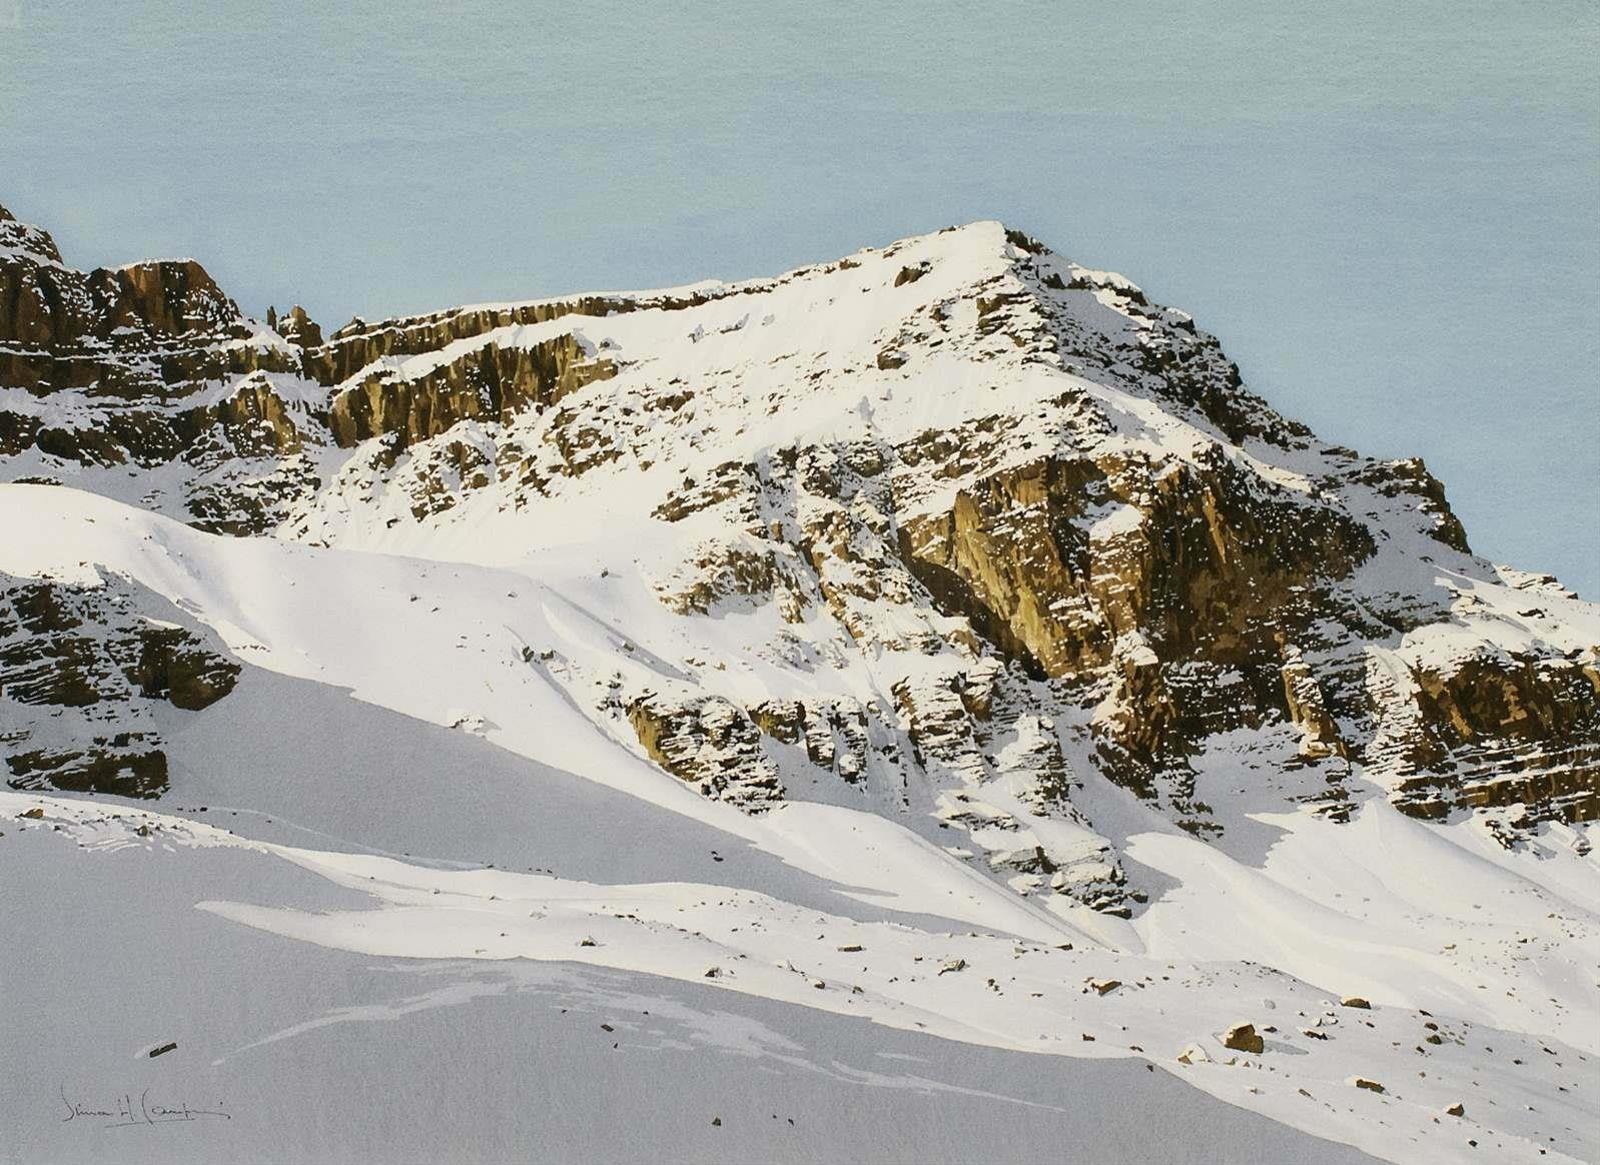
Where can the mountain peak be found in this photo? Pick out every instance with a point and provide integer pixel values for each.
(23, 242)
(949, 634)
(958, 442)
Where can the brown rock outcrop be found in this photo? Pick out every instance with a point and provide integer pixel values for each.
(155, 327)
(489, 383)
(1495, 731)
(110, 767)
(73, 658)
(709, 743)
(299, 328)
(1243, 1037)
(1307, 707)
(124, 351)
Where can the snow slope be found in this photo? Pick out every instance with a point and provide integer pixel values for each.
(315, 1054)
(1498, 947)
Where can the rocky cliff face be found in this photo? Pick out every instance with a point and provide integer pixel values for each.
(147, 372)
(955, 529)
(88, 684)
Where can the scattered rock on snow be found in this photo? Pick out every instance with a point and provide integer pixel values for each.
(1243, 1037)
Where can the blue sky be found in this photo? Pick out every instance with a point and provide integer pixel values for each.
(1389, 213)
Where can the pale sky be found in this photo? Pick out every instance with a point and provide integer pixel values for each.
(1389, 213)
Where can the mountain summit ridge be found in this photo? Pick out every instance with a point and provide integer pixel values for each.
(960, 446)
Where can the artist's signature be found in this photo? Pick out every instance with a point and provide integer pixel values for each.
(135, 1109)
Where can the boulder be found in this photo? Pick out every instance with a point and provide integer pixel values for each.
(1243, 1037)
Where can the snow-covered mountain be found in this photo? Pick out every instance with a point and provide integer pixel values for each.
(943, 636)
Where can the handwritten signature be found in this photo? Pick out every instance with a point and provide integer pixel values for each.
(128, 1110)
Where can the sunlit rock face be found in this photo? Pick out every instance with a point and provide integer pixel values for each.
(938, 529)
